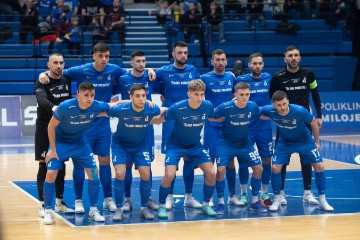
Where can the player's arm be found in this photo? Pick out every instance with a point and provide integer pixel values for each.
(317, 102)
(265, 117)
(52, 134)
(151, 73)
(315, 131)
(44, 78)
(42, 97)
(160, 118)
(216, 119)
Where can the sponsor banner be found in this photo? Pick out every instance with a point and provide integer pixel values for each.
(340, 111)
(10, 117)
(29, 114)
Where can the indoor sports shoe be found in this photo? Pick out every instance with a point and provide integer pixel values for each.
(47, 217)
(169, 204)
(62, 208)
(79, 207)
(109, 204)
(147, 214)
(192, 202)
(118, 215)
(244, 198)
(162, 213)
(220, 210)
(257, 207)
(275, 206)
(152, 205)
(211, 203)
(235, 200)
(94, 215)
(323, 205)
(265, 200)
(310, 198)
(127, 207)
(283, 199)
(41, 212)
(207, 210)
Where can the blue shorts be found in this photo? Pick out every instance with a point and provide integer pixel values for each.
(211, 135)
(99, 138)
(307, 151)
(197, 155)
(80, 152)
(263, 140)
(123, 155)
(167, 128)
(247, 156)
(150, 141)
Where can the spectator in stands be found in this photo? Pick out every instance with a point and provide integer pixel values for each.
(184, 5)
(163, 13)
(233, 5)
(255, 12)
(324, 8)
(108, 4)
(73, 5)
(238, 67)
(98, 31)
(214, 19)
(190, 22)
(338, 11)
(115, 20)
(7, 8)
(275, 8)
(60, 17)
(88, 9)
(29, 16)
(294, 8)
(74, 44)
(45, 7)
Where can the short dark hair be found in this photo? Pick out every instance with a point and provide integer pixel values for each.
(241, 85)
(136, 87)
(101, 47)
(290, 48)
(54, 54)
(85, 86)
(218, 52)
(137, 53)
(254, 55)
(279, 95)
(180, 44)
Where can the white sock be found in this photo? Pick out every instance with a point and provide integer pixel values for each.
(307, 191)
(264, 188)
(243, 188)
(170, 196)
(277, 198)
(41, 203)
(254, 199)
(58, 201)
(282, 192)
(93, 209)
(322, 198)
(221, 201)
(188, 195)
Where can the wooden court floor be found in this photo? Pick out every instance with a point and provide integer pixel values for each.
(18, 214)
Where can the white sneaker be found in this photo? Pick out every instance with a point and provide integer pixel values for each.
(310, 198)
(323, 205)
(211, 203)
(79, 207)
(127, 207)
(109, 204)
(169, 204)
(118, 215)
(62, 208)
(47, 217)
(41, 212)
(94, 215)
(153, 205)
(275, 206)
(283, 199)
(235, 200)
(192, 202)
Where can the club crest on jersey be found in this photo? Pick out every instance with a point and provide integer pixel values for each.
(109, 77)
(304, 80)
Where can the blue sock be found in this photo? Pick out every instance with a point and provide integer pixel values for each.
(150, 178)
(93, 191)
(188, 176)
(276, 183)
(79, 179)
(105, 178)
(244, 175)
(49, 191)
(266, 175)
(208, 192)
(171, 189)
(119, 192)
(145, 191)
(255, 185)
(163, 192)
(231, 178)
(128, 181)
(320, 182)
(220, 187)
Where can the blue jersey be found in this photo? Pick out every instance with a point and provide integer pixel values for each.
(235, 128)
(131, 128)
(188, 122)
(292, 127)
(124, 83)
(75, 121)
(173, 82)
(259, 93)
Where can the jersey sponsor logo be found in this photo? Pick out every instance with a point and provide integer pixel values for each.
(52, 89)
(286, 81)
(88, 77)
(196, 117)
(171, 75)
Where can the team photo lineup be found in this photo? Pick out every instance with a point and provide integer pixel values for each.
(233, 113)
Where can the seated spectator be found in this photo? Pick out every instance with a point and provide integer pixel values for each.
(338, 12)
(88, 9)
(184, 6)
(74, 44)
(294, 8)
(29, 16)
(7, 8)
(214, 19)
(98, 31)
(324, 8)
(233, 5)
(163, 13)
(190, 22)
(115, 22)
(73, 5)
(255, 12)
(45, 7)
(238, 67)
(275, 8)
(61, 16)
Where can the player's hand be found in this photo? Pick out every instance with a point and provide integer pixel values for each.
(50, 155)
(151, 104)
(319, 121)
(317, 146)
(44, 78)
(54, 108)
(152, 74)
